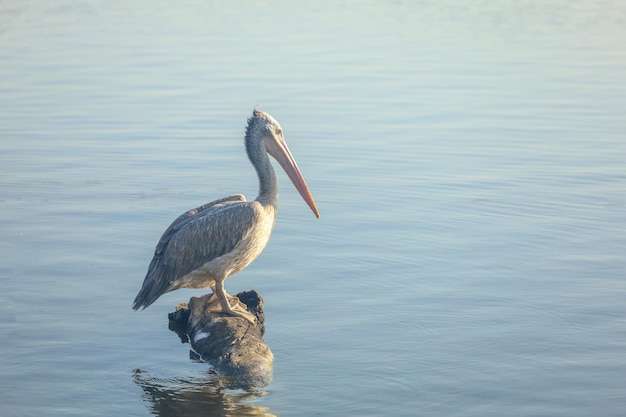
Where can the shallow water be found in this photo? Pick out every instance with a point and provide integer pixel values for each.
(467, 161)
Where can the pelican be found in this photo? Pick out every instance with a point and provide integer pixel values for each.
(206, 245)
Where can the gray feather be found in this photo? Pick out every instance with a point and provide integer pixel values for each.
(193, 239)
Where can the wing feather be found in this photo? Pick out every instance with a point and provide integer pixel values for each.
(189, 215)
(193, 239)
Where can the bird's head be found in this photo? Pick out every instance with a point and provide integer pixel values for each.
(264, 131)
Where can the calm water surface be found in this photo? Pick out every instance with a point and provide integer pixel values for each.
(467, 158)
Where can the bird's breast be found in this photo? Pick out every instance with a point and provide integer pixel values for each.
(249, 246)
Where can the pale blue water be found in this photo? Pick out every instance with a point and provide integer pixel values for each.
(467, 158)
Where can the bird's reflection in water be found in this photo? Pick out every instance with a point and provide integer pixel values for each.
(196, 397)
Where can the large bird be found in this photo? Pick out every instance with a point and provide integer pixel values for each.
(206, 245)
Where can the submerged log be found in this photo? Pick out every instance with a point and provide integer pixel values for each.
(232, 345)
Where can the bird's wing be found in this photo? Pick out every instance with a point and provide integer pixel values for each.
(192, 214)
(193, 239)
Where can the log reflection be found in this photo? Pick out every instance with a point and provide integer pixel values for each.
(194, 397)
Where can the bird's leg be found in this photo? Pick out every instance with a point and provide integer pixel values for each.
(236, 311)
(213, 294)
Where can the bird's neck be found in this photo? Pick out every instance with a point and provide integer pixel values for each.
(268, 186)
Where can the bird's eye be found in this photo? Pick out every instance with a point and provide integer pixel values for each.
(279, 132)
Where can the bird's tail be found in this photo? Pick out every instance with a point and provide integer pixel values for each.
(154, 286)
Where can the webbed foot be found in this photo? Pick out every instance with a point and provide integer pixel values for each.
(237, 309)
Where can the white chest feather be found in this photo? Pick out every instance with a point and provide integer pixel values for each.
(247, 249)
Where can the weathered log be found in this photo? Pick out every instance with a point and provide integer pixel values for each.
(232, 345)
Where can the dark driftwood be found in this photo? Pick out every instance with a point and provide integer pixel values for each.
(232, 345)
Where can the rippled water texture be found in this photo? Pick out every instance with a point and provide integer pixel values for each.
(467, 159)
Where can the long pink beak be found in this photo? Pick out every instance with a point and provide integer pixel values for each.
(281, 153)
